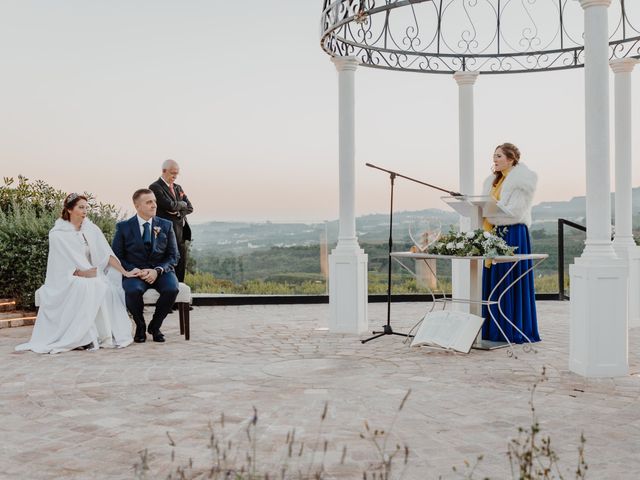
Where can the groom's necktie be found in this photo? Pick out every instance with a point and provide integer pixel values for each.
(146, 235)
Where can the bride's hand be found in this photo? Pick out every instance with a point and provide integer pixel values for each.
(91, 273)
(132, 273)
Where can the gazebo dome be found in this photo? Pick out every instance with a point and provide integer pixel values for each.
(485, 36)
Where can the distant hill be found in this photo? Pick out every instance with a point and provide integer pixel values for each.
(242, 237)
(234, 238)
(576, 210)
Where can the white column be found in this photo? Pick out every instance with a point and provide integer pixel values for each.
(466, 140)
(623, 243)
(596, 73)
(598, 342)
(466, 276)
(347, 262)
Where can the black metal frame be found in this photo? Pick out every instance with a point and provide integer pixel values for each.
(215, 300)
(561, 223)
(487, 36)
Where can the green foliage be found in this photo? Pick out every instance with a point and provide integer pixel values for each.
(27, 213)
(191, 261)
(41, 197)
(203, 282)
(298, 284)
(539, 234)
(24, 246)
(295, 278)
(260, 264)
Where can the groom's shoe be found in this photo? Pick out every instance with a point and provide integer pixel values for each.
(157, 335)
(140, 336)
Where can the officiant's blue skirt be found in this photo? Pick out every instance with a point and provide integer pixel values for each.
(519, 303)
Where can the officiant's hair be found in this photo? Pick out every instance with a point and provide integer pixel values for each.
(512, 153)
(167, 164)
(138, 193)
(69, 203)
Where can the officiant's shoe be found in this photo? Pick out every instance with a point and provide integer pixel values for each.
(157, 336)
(140, 336)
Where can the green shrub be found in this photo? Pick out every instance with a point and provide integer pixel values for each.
(42, 197)
(24, 246)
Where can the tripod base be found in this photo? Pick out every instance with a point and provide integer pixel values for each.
(386, 330)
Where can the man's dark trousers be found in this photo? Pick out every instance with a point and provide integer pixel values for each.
(167, 286)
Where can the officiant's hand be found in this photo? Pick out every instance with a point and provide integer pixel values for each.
(91, 273)
(149, 275)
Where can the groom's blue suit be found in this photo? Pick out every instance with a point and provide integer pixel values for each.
(162, 255)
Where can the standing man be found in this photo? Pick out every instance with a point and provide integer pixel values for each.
(174, 206)
(147, 245)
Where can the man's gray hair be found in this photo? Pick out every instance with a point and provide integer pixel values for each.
(167, 164)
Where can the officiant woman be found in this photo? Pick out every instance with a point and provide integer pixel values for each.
(513, 185)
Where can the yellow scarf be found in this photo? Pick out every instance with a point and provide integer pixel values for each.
(495, 192)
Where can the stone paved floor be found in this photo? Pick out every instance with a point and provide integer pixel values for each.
(87, 415)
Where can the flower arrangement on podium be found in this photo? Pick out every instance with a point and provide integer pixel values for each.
(473, 243)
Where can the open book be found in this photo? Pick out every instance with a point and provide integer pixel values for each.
(452, 330)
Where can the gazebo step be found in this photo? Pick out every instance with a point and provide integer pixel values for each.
(17, 319)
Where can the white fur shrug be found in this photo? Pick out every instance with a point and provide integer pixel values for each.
(516, 196)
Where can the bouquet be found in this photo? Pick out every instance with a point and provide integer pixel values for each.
(473, 243)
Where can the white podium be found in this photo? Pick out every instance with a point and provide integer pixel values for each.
(476, 207)
(466, 276)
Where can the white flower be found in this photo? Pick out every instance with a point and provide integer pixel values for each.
(477, 242)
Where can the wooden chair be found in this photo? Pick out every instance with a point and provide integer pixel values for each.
(183, 302)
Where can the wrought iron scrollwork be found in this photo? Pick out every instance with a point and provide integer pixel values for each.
(487, 36)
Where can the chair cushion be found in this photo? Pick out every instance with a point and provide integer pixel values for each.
(184, 295)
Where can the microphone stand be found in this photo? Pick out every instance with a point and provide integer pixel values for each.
(386, 329)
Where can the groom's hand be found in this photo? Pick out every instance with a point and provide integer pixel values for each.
(149, 275)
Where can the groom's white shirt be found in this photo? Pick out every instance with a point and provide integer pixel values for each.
(142, 221)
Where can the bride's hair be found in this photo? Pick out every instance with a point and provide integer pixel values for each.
(69, 202)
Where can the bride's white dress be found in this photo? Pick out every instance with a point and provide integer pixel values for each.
(76, 311)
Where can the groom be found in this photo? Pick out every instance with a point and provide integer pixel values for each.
(147, 245)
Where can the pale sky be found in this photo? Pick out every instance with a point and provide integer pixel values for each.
(96, 94)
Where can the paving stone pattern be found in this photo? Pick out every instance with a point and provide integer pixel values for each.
(87, 414)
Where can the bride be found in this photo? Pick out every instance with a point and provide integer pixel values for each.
(82, 301)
